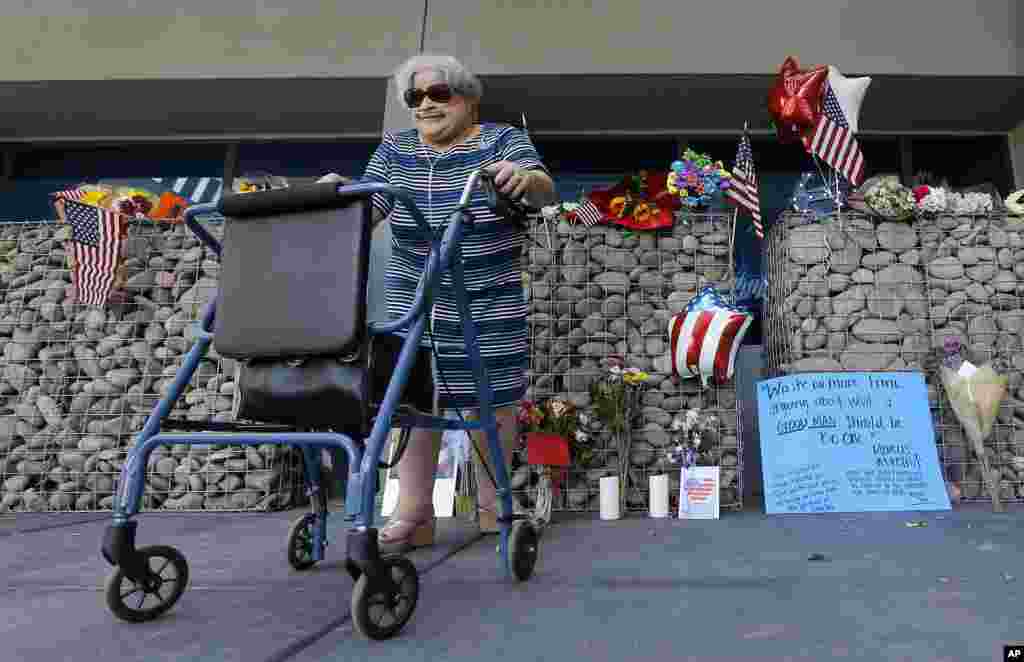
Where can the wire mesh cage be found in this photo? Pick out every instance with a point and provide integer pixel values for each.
(79, 381)
(599, 291)
(855, 293)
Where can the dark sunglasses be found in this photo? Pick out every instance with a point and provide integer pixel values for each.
(440, 93)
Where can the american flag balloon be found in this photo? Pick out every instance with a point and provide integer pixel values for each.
(704, 338)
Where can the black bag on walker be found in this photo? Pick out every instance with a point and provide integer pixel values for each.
(291, 306)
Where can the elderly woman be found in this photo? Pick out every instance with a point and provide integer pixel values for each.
(433, 162)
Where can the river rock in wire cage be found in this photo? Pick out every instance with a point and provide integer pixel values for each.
(595, 292)
(79, 382)
(857, 293)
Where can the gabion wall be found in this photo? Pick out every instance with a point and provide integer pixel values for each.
(79, 381)
(596, 292)
(856, 293)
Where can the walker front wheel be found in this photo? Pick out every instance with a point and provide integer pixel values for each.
(380, 611)
(138, 602)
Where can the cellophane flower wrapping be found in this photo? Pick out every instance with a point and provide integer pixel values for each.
(976, 399)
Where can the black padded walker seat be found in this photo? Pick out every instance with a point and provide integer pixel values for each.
(291, 305)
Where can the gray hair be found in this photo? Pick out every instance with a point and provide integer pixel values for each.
(459, 78)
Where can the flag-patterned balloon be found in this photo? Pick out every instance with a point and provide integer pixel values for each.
(704, 338)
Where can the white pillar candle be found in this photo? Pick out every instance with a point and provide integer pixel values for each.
(659, 496)
(610, 497)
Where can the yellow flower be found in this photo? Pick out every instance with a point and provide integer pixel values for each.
(633, 378)
(617, 205)
(642, 212)
(93, 197)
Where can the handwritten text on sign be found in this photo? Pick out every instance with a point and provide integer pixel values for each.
(848, 442)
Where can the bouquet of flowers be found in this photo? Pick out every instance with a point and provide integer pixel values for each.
(891, 200)
(554, 438)
(560, 418)
(696, 179)
(930, 199)
(1014, 204)
(688, 430)
(976, 394)
(614, 394)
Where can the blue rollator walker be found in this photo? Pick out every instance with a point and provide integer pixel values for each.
(291, 308)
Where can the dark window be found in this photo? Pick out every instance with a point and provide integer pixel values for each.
(298, 159)
(101, 162)
(965, 161)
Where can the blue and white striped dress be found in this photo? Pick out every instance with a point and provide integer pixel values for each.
(492, 256)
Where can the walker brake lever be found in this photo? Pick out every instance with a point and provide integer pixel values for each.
(501, 204)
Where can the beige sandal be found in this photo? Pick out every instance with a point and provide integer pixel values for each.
(401, 535)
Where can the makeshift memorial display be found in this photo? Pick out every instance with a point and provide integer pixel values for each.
(1015, 203)
(554, 440)
(891, 200)
(638, 202)
(697, 180)
(976, 394)
(615, 397)
(849, 442)
(704, 338)
(794, 99)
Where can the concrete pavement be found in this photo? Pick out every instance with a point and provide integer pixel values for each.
(739, 588)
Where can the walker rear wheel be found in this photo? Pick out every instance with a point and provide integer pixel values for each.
(523, 544)
(138, 602)
(379, 612)
(300, 543)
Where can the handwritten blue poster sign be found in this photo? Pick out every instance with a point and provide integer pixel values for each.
(848, 442)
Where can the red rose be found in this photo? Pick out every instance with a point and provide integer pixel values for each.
(920, 192)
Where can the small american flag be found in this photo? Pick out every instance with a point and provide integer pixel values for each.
(68, 194)
(744, 185)
(588, 214)
(833, 142)
(96, 245)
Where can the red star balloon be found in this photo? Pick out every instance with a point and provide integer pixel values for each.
(795, 100)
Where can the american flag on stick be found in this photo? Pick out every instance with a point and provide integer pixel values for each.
(744, 185)
(96, 246)
(833, 142)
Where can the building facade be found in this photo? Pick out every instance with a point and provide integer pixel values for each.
(122, 89)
